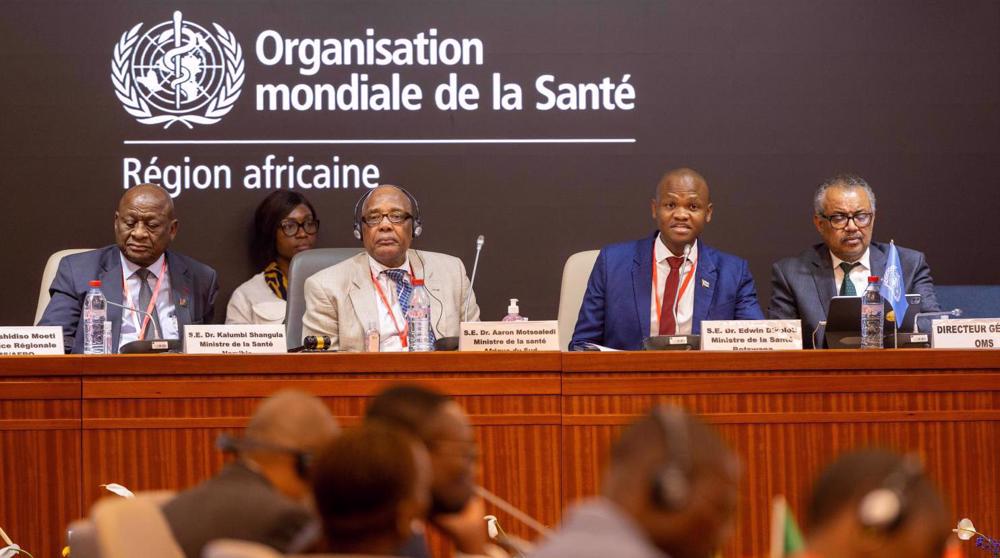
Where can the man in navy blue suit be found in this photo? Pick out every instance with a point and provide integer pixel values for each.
(668, 282)
(139, 272)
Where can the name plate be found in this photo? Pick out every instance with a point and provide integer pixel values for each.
(510, 336)
(31, 340)
(751, 335)
(981, 333)
(247, 339)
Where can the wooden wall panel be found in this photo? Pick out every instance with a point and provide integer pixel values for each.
(39, 459)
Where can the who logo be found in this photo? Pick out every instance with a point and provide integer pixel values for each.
(177, 71)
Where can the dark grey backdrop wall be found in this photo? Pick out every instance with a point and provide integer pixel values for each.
(765, 98)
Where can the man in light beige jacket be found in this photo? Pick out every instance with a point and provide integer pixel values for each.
(346, 300)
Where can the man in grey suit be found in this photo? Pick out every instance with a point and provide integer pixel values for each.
(139, 272)
(261, 497)
(844, 216)
(370, 290)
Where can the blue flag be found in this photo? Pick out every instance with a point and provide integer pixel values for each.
(892, 285)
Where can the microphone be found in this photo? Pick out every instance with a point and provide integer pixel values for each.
(156, 330)
(11, 549)
(815, 331)
(677, 294)
(518, 547)
(953, 313)
(475, 265)
(507, 507)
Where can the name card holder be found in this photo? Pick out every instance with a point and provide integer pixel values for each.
(258, 339)
(31, 340)
(510, 336)
(981, 333)
(751, 335)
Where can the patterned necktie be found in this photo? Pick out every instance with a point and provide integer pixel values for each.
(145, 295)
(403, 287)
(847, 286)
(667, 324)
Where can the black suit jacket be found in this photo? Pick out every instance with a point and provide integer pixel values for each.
(241, 504)
(193, 287)
(803, 286)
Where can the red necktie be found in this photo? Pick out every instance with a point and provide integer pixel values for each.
(667, 324)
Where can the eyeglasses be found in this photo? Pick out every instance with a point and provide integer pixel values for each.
(291, 228)
(839, 220)
(395, 217)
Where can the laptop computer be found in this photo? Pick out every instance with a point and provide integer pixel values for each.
(843, 321)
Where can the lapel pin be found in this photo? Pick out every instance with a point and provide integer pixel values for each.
(706, 284)
(183, 302)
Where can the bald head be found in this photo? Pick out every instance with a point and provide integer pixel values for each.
(681, 207)
(145, 224)
(689, 178)
(293, 419)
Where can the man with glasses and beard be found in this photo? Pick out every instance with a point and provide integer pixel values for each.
(844, 216)
(374, 288)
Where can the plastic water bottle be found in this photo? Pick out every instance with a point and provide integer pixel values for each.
(513, 312)
(95, 312)
(872, 315)
(418, 318)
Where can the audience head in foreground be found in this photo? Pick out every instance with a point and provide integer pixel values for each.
(263, 496)
(370, 485)
(670, 490)
(443, 427)
(876, 504)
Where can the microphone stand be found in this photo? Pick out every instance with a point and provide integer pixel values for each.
(156, 330)
(475, 266)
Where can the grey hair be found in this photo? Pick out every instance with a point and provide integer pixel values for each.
(841, 181)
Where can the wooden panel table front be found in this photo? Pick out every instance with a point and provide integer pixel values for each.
(545, 420)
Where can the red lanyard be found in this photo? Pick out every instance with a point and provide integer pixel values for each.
(402, 333)
(680, 293)
(152, 301)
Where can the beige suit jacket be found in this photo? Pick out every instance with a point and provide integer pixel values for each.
(340, 300)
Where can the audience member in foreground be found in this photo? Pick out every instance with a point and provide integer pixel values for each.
(875, 504)
(670, 491)
(284, 224)
(263, 496)
(441, 424)
(668, 282)
(138, 272)
(371, 485)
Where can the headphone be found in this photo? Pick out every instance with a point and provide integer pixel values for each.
(231, 444)
(883, 509)
(671, 486)
(418, 226)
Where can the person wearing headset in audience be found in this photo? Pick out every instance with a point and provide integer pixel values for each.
(284, 224)
(264, 496)
(669, 492)
(373, 288)
(874, 503)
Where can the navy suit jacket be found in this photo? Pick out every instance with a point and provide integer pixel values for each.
(193, 287)
(616, 308)
(802, 286)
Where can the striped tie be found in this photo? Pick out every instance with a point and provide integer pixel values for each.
(403, 287)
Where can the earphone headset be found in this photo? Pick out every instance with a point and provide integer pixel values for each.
(884, 508)
(231, 444)
(418, 226)
(671, 484)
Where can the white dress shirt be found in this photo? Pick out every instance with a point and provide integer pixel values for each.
(685, 305)
(389, 340)
(165, 311)
(859, 274)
